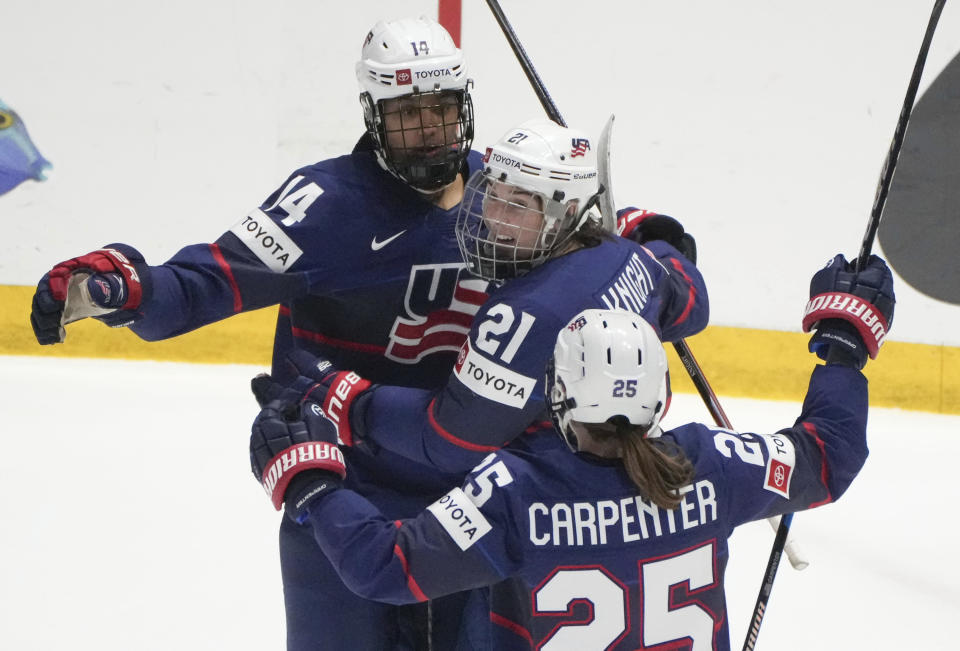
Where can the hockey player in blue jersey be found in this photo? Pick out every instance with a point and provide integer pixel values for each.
(360, 252)
(529, 223)
(621, 544)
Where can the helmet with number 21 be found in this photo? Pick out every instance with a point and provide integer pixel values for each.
(537, 188)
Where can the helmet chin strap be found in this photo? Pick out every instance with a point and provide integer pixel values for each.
(432, 193)
(387, 168)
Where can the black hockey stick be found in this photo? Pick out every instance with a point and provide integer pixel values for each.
(686, 356)
(890, 164)
(883, 187)
(683, 350)
(541, 91)
(768, 576)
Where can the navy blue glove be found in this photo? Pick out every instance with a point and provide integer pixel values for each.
(108, 284)
(317, 381)
(266, 390)
(643, 226)
(851, 311)
(294, 455)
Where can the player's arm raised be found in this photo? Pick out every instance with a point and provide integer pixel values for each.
(814, 462)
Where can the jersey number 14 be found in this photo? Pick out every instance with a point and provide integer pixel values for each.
(296, 203)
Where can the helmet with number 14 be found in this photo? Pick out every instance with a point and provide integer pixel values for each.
(416, 101)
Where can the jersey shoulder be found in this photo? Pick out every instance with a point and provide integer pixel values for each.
(697, 442)
(552, 472)
(344, 200)
(517, 326)
(568, 284)
(526, 473)
(355, 178)
(356, 184)
(740, 459)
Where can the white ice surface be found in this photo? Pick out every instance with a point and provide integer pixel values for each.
(129, 521)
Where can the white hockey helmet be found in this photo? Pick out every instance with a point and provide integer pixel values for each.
(416, 58)
(607, 365)
(538, 167)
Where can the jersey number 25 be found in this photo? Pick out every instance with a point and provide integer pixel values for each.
(661, 621)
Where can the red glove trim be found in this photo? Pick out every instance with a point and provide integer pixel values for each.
(101, 261)
(866, 318)
(344, 389)
(315, 455)
(628, 221)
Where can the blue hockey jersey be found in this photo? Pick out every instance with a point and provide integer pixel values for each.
(366, 270)
(496, 389)
(601, 567)
(367, 273)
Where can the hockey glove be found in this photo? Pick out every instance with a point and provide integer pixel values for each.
(318, 381)
(643, 226)
(107, 284)
(294, 455)
(850, 311)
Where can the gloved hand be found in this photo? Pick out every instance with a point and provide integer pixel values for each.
(317, 381)
(294, 455)
(107, 284)
(850, 311)
(643, 226)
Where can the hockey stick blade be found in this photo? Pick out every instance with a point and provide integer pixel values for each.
(608, 209)
(796, 557)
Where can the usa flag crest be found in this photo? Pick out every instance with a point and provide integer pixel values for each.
(438, 309)
(576, 325)
(579, 147)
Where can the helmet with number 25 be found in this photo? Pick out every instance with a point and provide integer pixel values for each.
(416, 101)
(607, 365)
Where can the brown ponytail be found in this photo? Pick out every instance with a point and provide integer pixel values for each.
(658, 467)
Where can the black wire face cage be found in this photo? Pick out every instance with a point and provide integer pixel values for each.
(504, 231)
(423, 138)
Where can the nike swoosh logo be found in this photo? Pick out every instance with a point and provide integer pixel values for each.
(376, 246)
